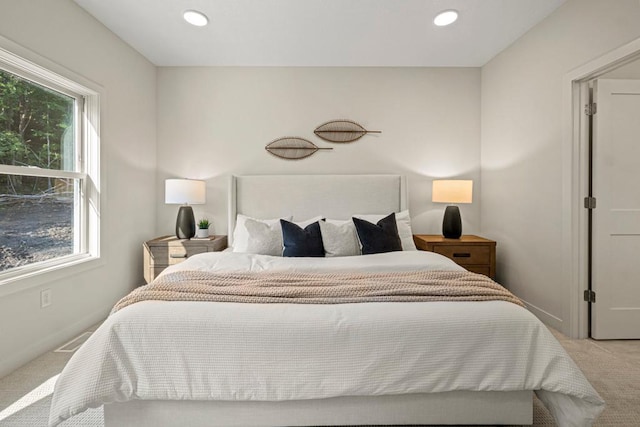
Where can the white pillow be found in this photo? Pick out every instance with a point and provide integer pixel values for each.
(264, 239)
(261, 236)
(403, 220)
(269, 236)
(339, 238)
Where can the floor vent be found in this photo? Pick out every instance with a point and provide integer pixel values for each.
(74, 344)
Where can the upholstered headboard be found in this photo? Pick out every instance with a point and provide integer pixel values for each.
(305, 196)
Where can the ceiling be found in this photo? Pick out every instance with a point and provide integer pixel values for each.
(319, 32)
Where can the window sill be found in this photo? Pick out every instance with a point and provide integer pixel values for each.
(23, 278)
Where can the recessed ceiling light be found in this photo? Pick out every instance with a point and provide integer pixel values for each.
(445, 18)
(196, 18)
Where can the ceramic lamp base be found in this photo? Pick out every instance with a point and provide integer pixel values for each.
(452, 223)
(185, 223)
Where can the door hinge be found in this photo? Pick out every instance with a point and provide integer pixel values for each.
(590, 109)
(589, 295)
(590, 202)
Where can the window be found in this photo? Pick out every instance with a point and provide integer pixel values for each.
(48, 169)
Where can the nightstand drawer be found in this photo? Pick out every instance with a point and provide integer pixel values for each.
(164, 251)
(465, 254)
(474, 253)
(174, 254)
(178, 252)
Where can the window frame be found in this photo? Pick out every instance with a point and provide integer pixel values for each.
(86, 171)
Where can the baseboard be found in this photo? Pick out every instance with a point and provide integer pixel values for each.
(546, 318)
(48, 343)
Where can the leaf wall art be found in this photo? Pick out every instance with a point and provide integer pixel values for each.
(342, 131)
(292, 148)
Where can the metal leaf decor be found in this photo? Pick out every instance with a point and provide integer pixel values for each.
(292, 148)
(342, 131)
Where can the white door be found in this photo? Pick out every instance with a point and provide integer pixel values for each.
(616, 218)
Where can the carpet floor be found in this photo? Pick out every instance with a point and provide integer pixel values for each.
(612, 367)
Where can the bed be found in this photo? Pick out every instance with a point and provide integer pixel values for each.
(166, 363)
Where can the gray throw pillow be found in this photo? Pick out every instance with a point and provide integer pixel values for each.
(339, 238)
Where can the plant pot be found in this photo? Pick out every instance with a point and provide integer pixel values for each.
(202, 233)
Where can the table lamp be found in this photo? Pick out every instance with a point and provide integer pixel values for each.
(452, 191)
(185, 192)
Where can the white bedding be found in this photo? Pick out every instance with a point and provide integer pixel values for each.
(232, 351)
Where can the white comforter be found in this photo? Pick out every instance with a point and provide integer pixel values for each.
(232, 351)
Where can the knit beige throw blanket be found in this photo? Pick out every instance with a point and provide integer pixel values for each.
(320, 288)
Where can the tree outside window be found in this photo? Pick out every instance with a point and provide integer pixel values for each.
(40, 173)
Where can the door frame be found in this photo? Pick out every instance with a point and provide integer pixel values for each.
(575, 175)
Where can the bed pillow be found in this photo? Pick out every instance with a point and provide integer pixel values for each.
(380, 237)
(263, 238)
(403, 221)
(339, 238)
(301, 242)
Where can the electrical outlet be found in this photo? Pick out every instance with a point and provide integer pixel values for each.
(45, 298)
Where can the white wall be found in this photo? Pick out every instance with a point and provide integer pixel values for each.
(60, 31)
(521, 144)
(214, 122)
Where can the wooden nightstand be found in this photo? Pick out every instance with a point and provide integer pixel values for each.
(164, 251)
(474, 253)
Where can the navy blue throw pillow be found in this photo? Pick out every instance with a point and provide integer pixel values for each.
(300, 241)
(380, 237)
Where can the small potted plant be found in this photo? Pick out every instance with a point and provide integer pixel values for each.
(203, 229)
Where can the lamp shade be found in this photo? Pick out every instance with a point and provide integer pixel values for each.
(452, 191)
(184, 192)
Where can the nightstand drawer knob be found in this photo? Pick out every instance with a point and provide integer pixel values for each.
(184, 255)
(461, 255)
